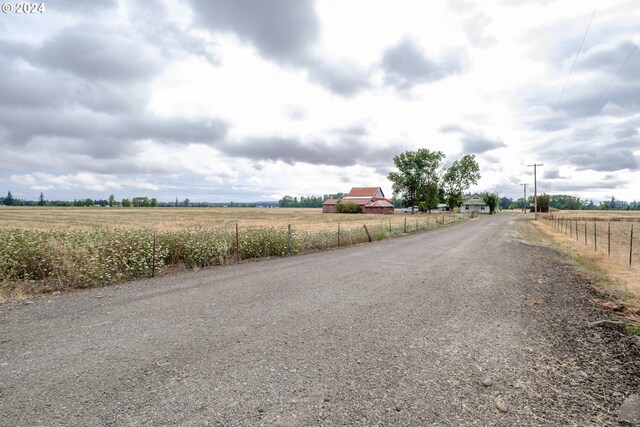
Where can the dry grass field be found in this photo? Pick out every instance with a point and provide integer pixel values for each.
(173, 219)
(602, 239)
(47, 249)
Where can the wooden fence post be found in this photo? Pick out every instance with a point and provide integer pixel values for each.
(405, 225)
(289, 240)
(595, 237)
(237, 243)
(609, 240)
(631, 246)
(367, 231)
(153, 256)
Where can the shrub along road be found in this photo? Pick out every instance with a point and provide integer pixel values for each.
(399, 332)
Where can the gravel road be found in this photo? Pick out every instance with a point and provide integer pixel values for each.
(400, 332)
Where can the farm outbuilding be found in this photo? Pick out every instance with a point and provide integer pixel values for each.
(370, 199)
(329, 206)
(378, 206)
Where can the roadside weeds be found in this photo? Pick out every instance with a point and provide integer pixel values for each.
(619, 286)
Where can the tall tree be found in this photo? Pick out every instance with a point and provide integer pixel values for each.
(9, 200)
(492, 200)
(431, 197)
(112, 201)
(460, 175)
(416, 170)
(41, 201)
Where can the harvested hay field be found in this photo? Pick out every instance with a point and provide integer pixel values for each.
(49, 249)
(174, 219)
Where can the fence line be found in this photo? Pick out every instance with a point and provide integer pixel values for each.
(71, 258)
(620, 237)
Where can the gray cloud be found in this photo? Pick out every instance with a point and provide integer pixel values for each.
(97, 129)
(604, 161)
(473, 142)
(285, 32)
(153, 22)
(597, 157)
(406, 64)
(344, 152)
(85, 8)
(96, 52)
(344, 78)
(476, 144)
(608, 59)
(83, 93)
(569, 186)
(279, 29)
(357, 130)
(552, 174)
(627, 132)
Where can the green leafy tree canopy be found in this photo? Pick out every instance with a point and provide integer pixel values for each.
(416, 170)
(460, 175)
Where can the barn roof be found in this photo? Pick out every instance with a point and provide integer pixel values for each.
(380, 203)
(360, 201)
(364, 192)
(329, 202)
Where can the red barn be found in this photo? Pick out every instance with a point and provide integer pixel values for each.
(329, 206)
(370, 199)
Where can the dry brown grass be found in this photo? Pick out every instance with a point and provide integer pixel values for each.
(173, 219)
(610, 268)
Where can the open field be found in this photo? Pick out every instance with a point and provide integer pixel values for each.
(43, 250)
(614, 216)
(603, 240)
(173, 219)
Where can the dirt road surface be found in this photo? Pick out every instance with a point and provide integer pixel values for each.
(400, 332)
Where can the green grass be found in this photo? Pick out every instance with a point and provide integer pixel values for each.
(634, 330)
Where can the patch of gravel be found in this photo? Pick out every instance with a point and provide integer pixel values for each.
(579, 373)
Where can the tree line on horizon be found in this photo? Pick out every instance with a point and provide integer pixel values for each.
(556, 201)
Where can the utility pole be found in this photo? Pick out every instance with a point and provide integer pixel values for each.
(524, 204)
(535, 188)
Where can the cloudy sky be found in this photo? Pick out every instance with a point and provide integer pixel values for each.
(243, 100)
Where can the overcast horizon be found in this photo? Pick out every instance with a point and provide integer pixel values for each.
(251, 100)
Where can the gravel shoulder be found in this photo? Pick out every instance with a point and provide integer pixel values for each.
(399, 332)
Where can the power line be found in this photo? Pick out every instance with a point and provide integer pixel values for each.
(604, 92)
(570, 73)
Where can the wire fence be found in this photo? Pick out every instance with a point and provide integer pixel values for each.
(58, 259)
(616, 239)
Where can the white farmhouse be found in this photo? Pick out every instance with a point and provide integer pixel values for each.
(474, 205)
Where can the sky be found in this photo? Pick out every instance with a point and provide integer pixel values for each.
(248, 100)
